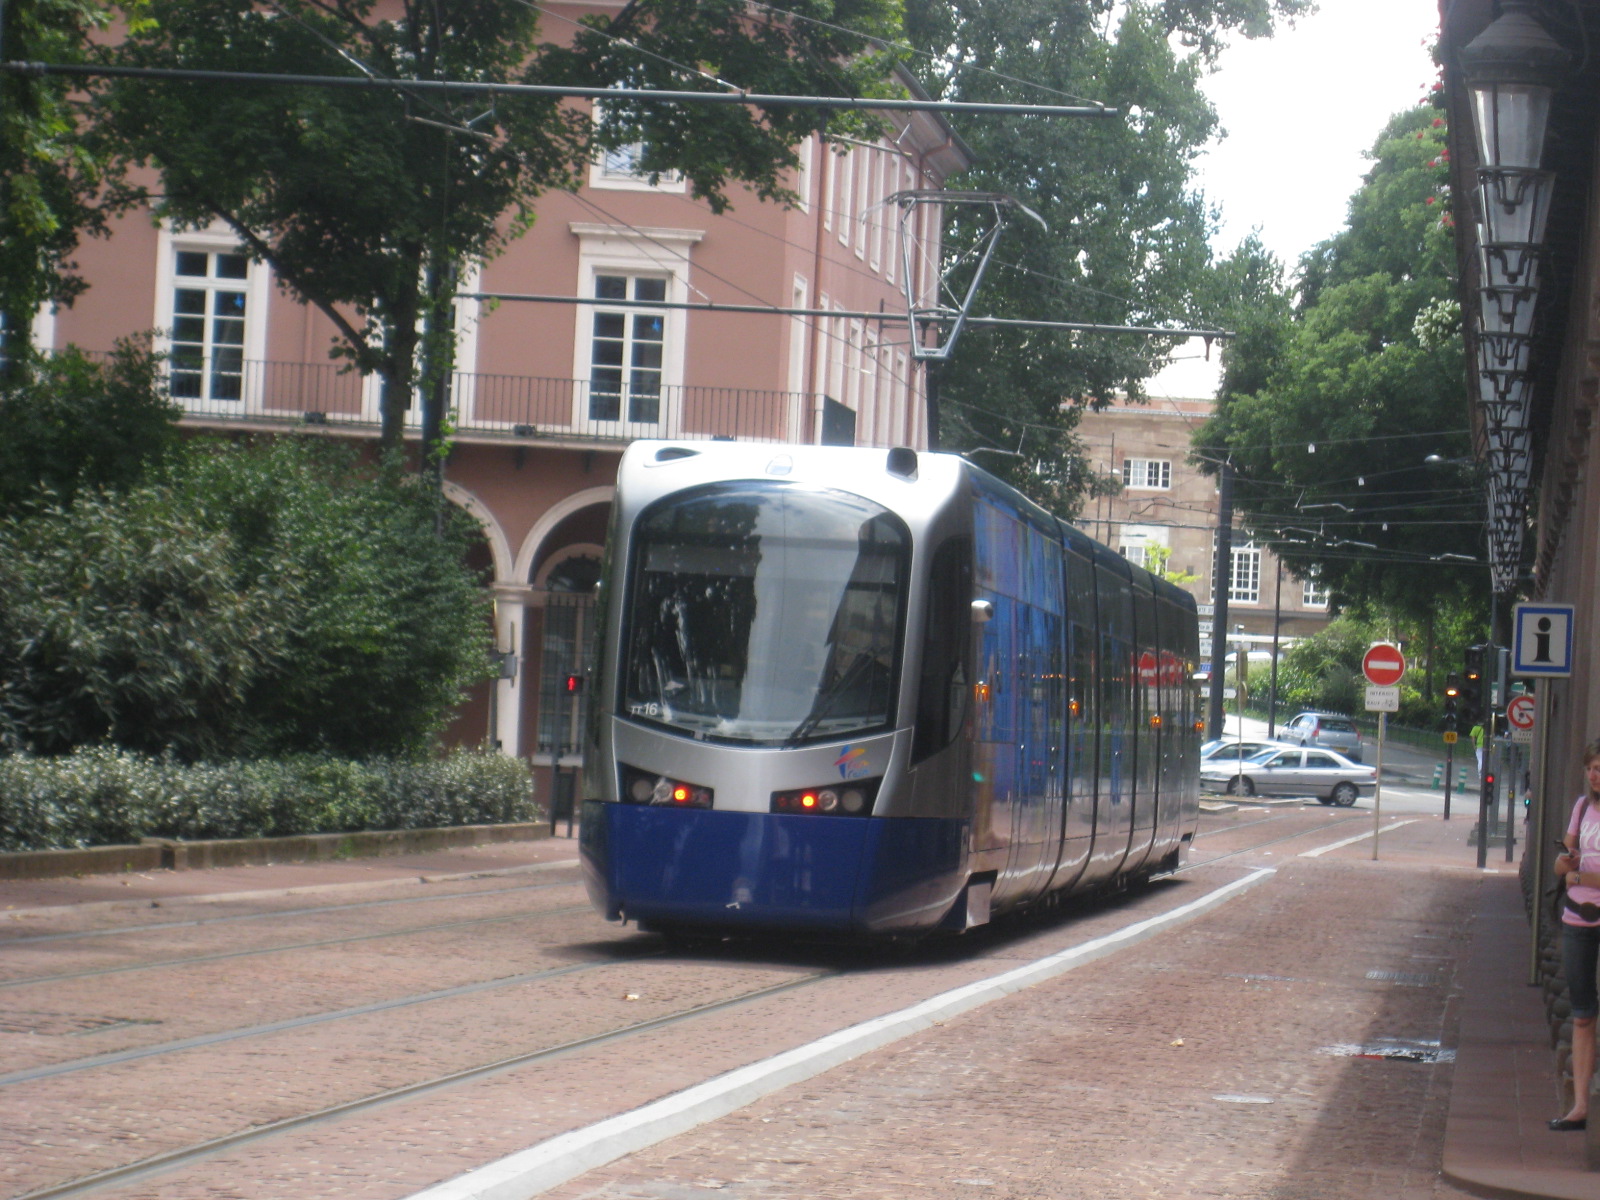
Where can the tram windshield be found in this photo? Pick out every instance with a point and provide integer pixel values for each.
(765, 613)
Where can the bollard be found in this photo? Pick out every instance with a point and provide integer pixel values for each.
(1438, 775)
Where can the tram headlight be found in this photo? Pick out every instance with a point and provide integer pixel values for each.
(853, 799)
(647, 787)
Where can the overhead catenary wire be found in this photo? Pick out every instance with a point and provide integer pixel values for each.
(851, 314)
(455, 87)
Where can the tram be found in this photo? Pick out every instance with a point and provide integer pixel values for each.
(864, 692)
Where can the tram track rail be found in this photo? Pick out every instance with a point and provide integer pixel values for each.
(173, 1160)
(132, 1054)
(320, 943)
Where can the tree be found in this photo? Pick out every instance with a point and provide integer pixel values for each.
(74, 423)
(245, 600)
(1328, 415)
(380, 628)
(120, 621)
(54, 189)
(1126, 238)
(372, 205)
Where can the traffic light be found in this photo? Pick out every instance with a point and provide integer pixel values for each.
(1452, 699)
(574, 684)
(1471, 703)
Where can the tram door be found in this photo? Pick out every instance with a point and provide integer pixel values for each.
(1081, 716)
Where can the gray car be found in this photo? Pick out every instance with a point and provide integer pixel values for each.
(1330, 777)
(1329, 730)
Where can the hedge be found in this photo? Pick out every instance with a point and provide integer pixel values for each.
(105, 796)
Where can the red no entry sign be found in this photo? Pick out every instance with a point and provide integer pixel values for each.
(1383, 665)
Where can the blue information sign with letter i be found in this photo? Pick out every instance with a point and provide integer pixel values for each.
(1541, 639)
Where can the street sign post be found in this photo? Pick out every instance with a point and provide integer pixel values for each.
(1519, 715)
(1541, 641)
(1384, 666)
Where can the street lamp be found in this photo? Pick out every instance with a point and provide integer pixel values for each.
(1508, 68)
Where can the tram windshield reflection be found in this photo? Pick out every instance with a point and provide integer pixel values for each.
(765, 613)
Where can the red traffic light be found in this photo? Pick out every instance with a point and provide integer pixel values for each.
(574, 684)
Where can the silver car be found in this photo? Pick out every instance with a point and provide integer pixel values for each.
(1331, 778)
(1328, 730)
(1222, 748)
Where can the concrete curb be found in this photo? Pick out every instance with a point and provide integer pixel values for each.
(550, 1163)
(152, 854)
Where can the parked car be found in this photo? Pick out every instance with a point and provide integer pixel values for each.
(1330, 777)
(1222, 748)
(1328, 730)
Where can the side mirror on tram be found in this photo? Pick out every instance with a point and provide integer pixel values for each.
(982, 612)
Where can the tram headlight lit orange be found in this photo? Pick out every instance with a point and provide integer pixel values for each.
(809, 800)
(680, 794)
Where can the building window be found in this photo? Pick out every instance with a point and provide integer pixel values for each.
(626, 351)
(209, 299)
(1244, 586)
(1143, 545)
(1313, 594)
(621, 167)
(1147, 473)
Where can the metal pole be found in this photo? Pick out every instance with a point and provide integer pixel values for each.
(1277, 624)
(1513, 770)
(1449, 764)
(1487, 721)
(1221, 581)
(1539, 833)
(1377, 787)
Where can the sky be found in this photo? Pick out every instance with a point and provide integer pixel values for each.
(1300, 110)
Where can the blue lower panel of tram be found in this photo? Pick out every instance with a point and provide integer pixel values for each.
(764, 870)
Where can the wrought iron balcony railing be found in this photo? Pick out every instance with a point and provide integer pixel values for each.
(495, 406)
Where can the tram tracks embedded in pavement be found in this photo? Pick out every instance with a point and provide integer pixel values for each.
(172, 1160)
(113, 1057)
(320, 943)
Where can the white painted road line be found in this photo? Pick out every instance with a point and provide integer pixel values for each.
(1351, 841)
(539, 1168)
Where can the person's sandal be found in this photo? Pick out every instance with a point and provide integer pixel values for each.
(1568, 1125)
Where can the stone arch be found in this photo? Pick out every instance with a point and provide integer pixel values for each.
(546, 524)
(499, 544)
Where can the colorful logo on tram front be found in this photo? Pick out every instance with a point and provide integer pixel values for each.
(853, 763)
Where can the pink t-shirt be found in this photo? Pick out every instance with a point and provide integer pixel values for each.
(1585, 824)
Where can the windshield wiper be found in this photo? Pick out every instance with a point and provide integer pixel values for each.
(829, 696)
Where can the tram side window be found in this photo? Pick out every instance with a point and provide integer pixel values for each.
(942, 689)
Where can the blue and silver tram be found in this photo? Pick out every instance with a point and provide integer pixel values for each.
(873, 692)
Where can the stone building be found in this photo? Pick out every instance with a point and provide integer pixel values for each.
(1165, 513)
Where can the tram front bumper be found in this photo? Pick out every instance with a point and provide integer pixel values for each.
(698, 867)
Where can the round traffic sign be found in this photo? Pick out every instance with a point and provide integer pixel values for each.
(1519, 713)
(1383, 665)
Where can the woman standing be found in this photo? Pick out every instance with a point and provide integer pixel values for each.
(1579, 869)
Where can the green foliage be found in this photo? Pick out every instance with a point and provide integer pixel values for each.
(382, 628)
(1126, 238)
(120, 621)
(1328, 414)
(54, 188)
(1323, 671)
(267, 599)
(104, 796)
(370, 204)
(72, 423)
